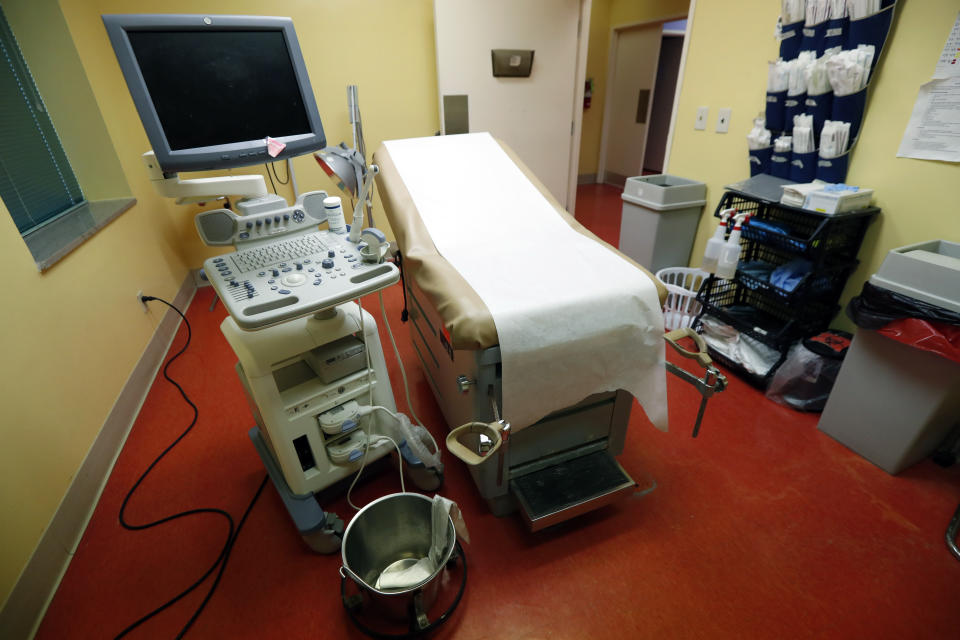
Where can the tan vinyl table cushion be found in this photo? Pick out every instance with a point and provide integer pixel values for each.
(465, 316)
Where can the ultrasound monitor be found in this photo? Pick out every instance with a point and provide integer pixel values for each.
(211, 89)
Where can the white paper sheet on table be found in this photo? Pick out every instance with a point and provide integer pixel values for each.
(573, 318)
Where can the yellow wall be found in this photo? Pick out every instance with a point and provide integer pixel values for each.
(387, 51)
(606, 15)
(73, 334)
(918, 198)
(597, 52)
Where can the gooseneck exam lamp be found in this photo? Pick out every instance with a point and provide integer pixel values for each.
(348, 166)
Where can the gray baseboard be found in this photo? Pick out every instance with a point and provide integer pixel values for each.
(24, 609)
(587, 178)
(614, 179)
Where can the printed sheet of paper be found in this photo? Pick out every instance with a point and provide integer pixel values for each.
(949, 62)
(933, 132)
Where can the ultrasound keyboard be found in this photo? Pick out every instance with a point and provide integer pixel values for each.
(294, 249)
(294, 272)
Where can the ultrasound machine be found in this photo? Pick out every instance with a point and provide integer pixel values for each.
(219, 92)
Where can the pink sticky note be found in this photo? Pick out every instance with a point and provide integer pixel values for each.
(274, 147)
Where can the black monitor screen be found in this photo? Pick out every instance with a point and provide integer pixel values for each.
(213, 88)
(210, 89)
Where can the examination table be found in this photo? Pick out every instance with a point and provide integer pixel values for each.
(562, 465)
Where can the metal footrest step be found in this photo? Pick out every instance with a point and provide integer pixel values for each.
(571, 488)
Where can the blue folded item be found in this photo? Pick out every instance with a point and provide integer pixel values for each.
(756, 269)
(774, 233)
(788, 276)
(771, 227)
(840, 188)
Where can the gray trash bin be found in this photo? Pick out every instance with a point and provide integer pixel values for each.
(893, 403)
(659, 219)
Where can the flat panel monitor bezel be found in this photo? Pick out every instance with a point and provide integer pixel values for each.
(235, 153)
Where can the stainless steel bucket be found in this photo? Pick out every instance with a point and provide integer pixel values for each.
(389, 531)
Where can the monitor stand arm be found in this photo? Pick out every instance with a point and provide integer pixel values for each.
(201, 189)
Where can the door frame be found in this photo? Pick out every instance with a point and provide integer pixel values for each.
(676, 95)
(576, 114)
(611, 73)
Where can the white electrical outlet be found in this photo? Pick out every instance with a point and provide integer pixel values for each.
(723, 120)
(701, 123)
(142, 301)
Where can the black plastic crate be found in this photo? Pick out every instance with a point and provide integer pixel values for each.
(807, 233)
(825, 281)
(741, 203)
(773, 322)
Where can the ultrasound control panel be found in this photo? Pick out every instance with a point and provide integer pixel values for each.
(277, 276)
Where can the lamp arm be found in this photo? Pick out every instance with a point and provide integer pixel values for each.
(355, 226)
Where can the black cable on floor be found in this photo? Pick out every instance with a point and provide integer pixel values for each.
(221, 562)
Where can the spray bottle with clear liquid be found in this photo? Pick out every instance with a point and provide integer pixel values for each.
(711, 254)
(730, 256)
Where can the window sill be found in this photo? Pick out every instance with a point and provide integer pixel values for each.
(53, 241)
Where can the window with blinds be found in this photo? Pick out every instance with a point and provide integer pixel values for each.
(37, 183)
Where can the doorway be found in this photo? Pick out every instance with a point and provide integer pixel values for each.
(645, 63)
(661, 109)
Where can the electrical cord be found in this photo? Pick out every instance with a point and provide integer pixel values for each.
(366, 447)
(221, 562)
(273, 168)
(406, 388)
(267, 167)
(405, 314)
(363, 463)
(403, 371)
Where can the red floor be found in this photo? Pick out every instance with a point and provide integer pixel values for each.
(762, 527)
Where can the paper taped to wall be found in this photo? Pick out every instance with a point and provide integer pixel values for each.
(933, 132)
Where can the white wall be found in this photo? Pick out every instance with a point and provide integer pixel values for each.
(532, 115)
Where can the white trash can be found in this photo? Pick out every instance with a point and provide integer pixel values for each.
(659, 219)
(893, 403)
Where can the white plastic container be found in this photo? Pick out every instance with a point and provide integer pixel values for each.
(711, 254)
(681, 306)
(334, 210)
(730, 255)
(838, 202)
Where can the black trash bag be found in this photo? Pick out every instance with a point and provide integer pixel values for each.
(876, 307)
(806, 377)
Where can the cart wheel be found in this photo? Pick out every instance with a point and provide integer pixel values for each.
(327, 540)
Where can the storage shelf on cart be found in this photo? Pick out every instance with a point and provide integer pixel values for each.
(758, 381)
(827, 282)
(807, 233)
(755, 200)
(771, 321)
(778, 235)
